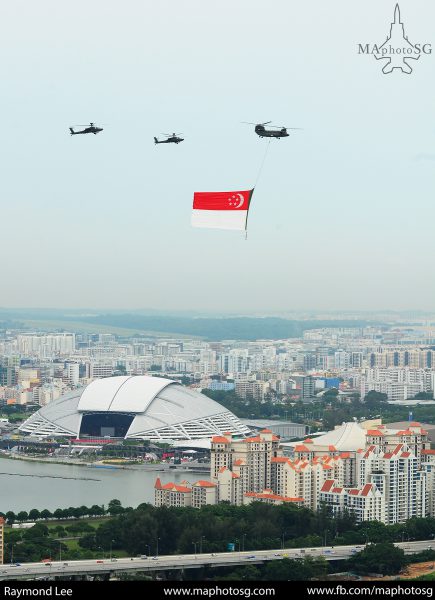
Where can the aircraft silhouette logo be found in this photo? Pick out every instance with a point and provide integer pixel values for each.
(397, 52)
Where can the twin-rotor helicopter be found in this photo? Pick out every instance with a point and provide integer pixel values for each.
(272, 132)
(174, 138)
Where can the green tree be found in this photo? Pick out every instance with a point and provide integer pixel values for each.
(34, 514)
(96, 510)
(295, 570)
(420, 528)
(375, 532)
(248, 573)
(373, 399)
(10, 517)
(384, 558)
(38, 531)
(115, 507)
(88, 541)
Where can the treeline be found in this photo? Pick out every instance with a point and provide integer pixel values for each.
(330, 409)
(248, 408)
(253, 527)
(240, 328)
(114, 508)
(217, 528)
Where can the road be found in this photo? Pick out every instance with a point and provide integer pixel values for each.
(64, 569)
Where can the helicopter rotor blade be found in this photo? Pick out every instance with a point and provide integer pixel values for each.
(249, 123)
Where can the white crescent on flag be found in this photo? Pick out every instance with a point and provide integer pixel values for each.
(236, 200)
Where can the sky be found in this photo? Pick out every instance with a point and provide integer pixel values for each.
(343, 213)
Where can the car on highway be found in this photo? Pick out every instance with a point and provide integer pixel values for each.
(155, 558)
(277, 554)
(251, 556)
(100, 561)
(143, 556)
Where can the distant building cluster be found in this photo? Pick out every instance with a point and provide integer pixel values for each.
(369, 470)
(37, 368)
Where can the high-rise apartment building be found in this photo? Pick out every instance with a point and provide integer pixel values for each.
(379, 474)
(251, 455)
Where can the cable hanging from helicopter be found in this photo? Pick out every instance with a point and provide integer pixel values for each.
(230, 210)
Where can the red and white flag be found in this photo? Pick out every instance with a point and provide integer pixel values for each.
(221, 210)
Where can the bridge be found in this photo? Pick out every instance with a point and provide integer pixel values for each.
(111, 566)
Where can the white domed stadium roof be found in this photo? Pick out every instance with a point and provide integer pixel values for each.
(138, 407)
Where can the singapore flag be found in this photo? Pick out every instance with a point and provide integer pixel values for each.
(221, 210)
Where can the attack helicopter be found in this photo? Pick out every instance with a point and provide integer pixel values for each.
(273, 132)
(91, 128)
(172, 138)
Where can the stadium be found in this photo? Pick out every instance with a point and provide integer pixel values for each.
(137, 407)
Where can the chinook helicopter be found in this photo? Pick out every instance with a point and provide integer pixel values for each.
(172, 138)
(91, 128)
(273, 132)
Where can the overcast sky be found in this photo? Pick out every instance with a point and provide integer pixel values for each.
(343, 214)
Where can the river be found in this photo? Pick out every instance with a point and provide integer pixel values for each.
(25, 485)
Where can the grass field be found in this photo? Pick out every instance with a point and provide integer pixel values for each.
(48, 325)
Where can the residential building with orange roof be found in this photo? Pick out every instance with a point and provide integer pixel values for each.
(268, 497)
(220, 454)
(172, 494)
(396, 473)
(203, 492)
(250, 458)
(377, 471)
(428, 466)
(413, 435)
(366, 503)
(229, 487)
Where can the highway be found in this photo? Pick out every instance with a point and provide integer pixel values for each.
(107, 566)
